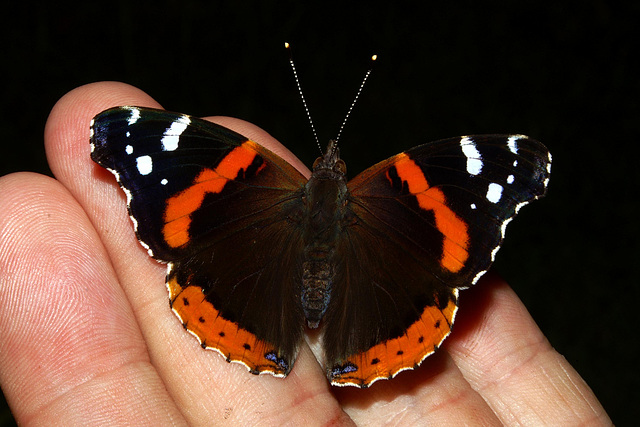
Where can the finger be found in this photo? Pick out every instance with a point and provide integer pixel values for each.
(256, 134)
(71, 350)
(203, 384)
(436, 393)
(511, 364)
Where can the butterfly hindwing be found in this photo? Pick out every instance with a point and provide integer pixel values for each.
(212, 204)
(422, 225)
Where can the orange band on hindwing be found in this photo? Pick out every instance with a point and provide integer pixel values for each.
(178, 210)
(454, 229)
(214, 332)
(387, 359)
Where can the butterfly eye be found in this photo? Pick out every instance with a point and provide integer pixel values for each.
(341, 167)
(316, 163)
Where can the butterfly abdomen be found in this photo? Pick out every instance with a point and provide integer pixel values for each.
(317, 281)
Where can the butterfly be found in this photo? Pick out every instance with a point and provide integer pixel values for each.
(257, 253)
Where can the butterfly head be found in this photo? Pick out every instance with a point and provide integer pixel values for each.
(330, 162)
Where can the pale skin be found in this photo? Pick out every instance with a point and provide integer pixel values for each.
(87, 334)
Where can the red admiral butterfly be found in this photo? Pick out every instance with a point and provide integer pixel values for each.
(256, 251)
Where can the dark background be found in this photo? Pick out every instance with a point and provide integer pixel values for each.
(562, 72)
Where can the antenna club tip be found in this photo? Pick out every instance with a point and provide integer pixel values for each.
(374, 57)
(287, 45)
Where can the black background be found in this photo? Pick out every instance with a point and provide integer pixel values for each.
(562, 72)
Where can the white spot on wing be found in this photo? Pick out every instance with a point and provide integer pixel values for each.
(164, 181)
(510, 179)
(116, 174)
(144, 165)
(474, 159)
(512, 143)
(503, 227)
(134, 117)
(494, 252)
(473, 206)
(494, 192)
(478, 276)
(129, 197)
(517, 209)
(128, 149)
(172, 134)
(144, 245)
(134, 221)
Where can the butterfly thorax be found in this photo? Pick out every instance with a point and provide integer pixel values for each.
(325, 205)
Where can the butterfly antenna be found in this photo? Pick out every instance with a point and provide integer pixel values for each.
(304, 102)
(366, 76)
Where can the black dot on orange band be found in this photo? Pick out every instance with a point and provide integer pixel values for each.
(185, 301)
(246, 346)
(420, 340)
(400, 353)
(221, 334)
(437, 324)
(201, 319)
(375, 361)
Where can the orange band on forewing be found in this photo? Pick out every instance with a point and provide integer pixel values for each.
(202, 319)
(388, 358)
(178, 210)
(454, 230)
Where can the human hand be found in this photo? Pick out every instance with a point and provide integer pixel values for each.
(87, 333)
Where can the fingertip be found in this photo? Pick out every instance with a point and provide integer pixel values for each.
(67, 128)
